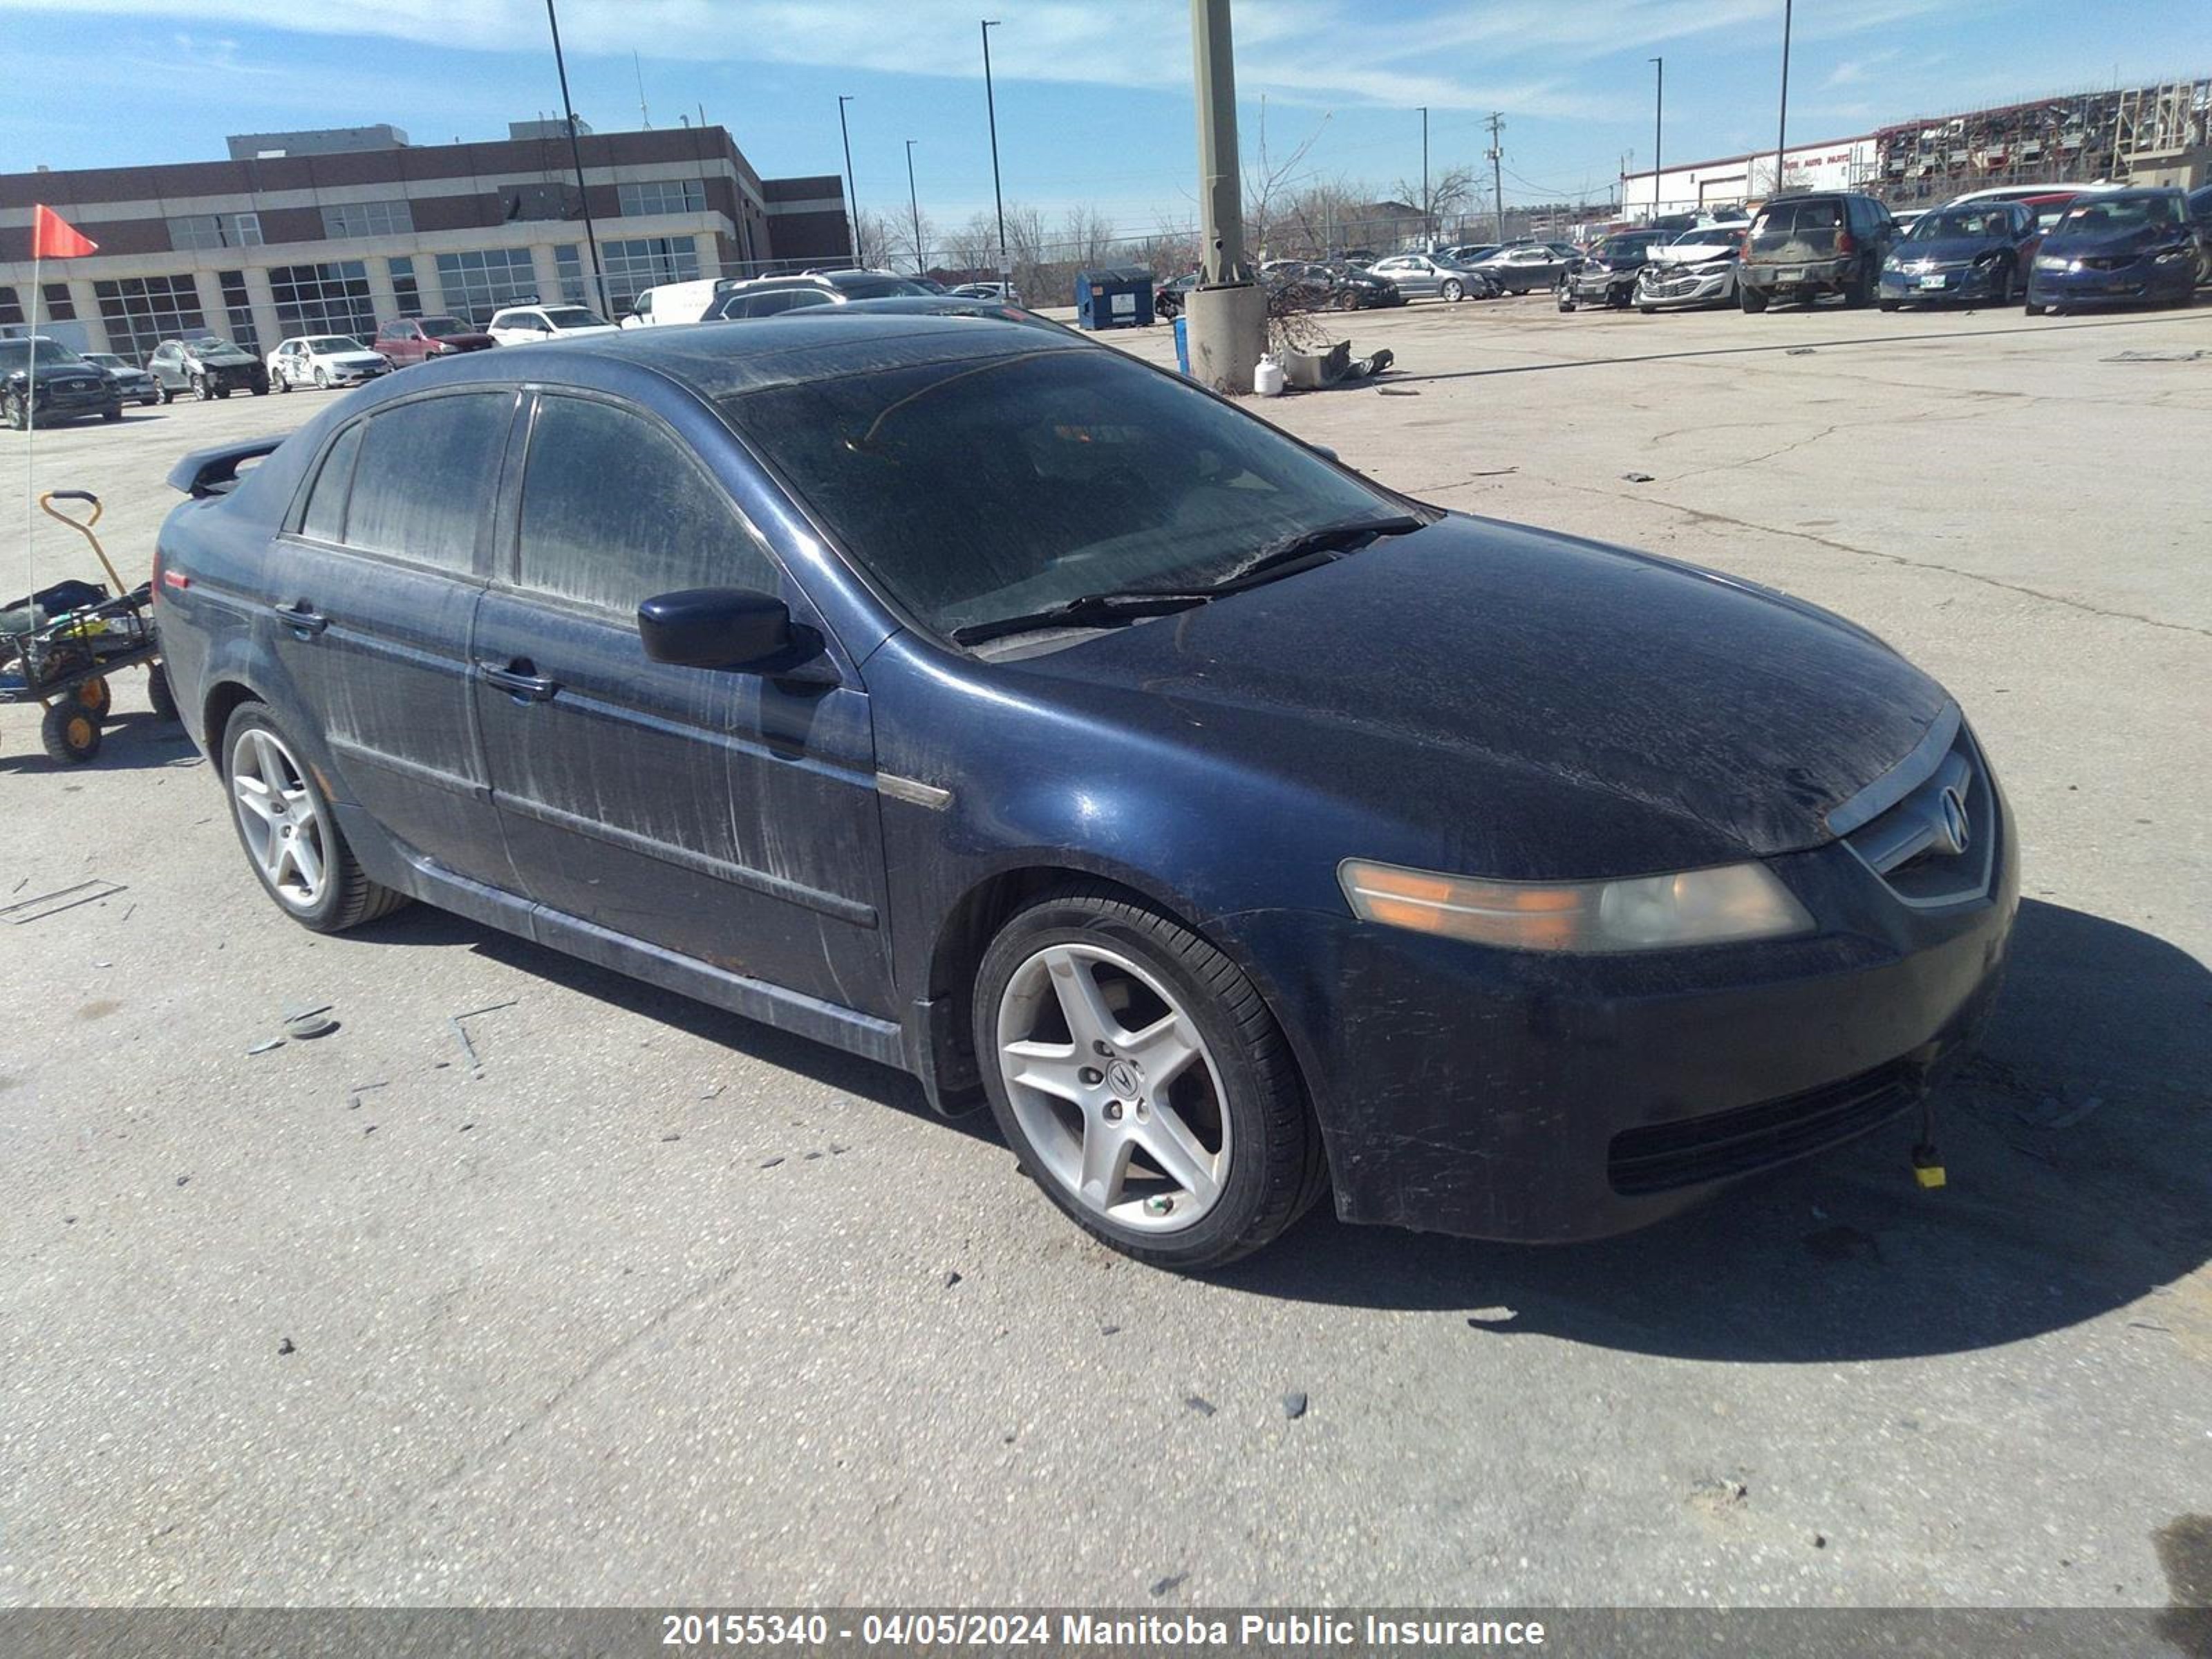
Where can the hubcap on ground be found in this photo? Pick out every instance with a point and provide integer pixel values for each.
(1114, 1087)
(285, 835)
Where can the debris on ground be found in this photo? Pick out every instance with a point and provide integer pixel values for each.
(308, 1020)
(670, 1135)
(2157, 357)
(1109, 1330)
(1501, 1315)
(1201, 1404)
(1799, 351)
(1294, 1405)
(476, 1064)
(1638, 477)
(1169, 1582)
(1310, 371)
(1397, 391)
(1718, 1497)
(771, 1162)
(951, 1279)
(184, 1181)
(40, 906)
(285, 1344)
(265, 1045)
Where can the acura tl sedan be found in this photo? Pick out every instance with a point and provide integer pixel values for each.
(984, 702)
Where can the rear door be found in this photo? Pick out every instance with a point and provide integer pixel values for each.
(378, 576)
(720, 815)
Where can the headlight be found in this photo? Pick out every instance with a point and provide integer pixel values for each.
(1729, 902)
(2050, 262)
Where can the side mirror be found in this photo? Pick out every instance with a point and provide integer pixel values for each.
(1325, 451)
(735, 628)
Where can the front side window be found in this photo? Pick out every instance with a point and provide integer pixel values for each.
(979, 490)
(614, 511)
(425, 479)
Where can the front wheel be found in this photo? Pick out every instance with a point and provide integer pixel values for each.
(165, 394)
(1649, 311)
(290, 834)
(1453, 292)
(322, 378)
(15, 412)
(1888, 305)
(200, 389)
(1142, 1082)
(280, 381)
(1566, 298)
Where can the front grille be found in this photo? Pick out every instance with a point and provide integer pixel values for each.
(1674, 287)
(1691, 1151)
(1915, 845)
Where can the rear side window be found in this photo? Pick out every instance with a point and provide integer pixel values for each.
(614, 511)
(325, 520)
(427, 476)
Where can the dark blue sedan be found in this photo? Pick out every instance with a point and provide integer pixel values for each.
(1968, 251)
(2131, 247)
(993, 705)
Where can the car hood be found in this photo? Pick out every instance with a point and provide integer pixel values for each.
(467, 340)
(60, 374)
(2076, 243)
(1521, 702)
(1947, 249)
(1696, 254)
(362, 359)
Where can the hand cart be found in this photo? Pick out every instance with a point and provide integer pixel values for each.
(58, 645)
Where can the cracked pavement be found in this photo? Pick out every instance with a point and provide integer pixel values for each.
(657, 1308)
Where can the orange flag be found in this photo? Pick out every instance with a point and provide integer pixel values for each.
(53, 237)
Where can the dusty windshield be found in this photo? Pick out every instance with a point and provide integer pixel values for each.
(15, 353)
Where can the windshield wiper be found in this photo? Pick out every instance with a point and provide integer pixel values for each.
(1336, 538)
(1086, 609)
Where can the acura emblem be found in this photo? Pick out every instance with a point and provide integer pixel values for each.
(1953, 830)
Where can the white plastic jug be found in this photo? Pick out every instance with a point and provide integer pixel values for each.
(1268, 378)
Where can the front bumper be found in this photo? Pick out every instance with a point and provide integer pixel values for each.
(74, 401)
(1663, 286)
(1931, 286)
(356, 374)
(1517, 1096)
(1588, 287)
(2135, 282)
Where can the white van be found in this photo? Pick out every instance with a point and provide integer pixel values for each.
(675, 302)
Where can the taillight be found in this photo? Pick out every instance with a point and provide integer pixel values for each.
(168, 578)
(1843, 243)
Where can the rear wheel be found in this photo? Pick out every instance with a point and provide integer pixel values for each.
(1453, 291)
(1751, 299)
(1142, 1082)
(322, 378)
(163, 393)
(164, 701)
(70, 732)
(2033, 309)
(114, 414)
(1888, 305)
(14, 411)
(290, 834)
(2002, 297)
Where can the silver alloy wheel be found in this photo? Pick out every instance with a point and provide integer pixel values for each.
(1119, 1113)
(284, 830)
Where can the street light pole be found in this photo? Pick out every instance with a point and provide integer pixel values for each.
(991, 106)
(1782, 134)
(851, 193)
(915, 202)
(577, 159)
(1658, 125)
(1425, 168)
(1227, 312)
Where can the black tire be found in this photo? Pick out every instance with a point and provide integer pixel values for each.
(15, 413)
(201, 391)
(223, 394)
(1751, 299)
(1887, 305)
(1566, 298)
(1453, 291)
(1649, 311)
(114, 414)
(261, 388)
(164, 394)
(1277, 1167)
(280, 382)
(96, 696)
(2003, 299)
(2033, 309)
(163, 701)
(1859, 292)
(349, 897)
(70, 732)
(322, 378)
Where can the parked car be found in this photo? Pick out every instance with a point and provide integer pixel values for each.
(1003, 294)
(522, 325)
(675, 302)
(408, 340)
(1313, 286)
(208, 368)
(1968, 251)
(323, 361)
(45, 379)
(2200, 217)
(772, 294)
(1696, 269)
(1608, 274)
(2050, 207)
(1426, 275)
(1467, 253)
(1521, 266)
(131, 380)
(1803, 246)
(939, 705)
(1168, 298)
(2118, 246)
(928, 305)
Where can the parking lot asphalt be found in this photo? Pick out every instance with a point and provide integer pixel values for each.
(655, 1305)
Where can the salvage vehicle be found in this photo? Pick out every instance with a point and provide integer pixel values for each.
(1421, 276)
(992, 704)
(1969, 250)
(1171, 297)
(1697, 268)
(1608, 276)
(772, 294)
(407, 340)
(323, 361)
(1005, 293)
(2135, 247)
(1521, 266)
(525, 324)
(131, 380)
(1307, 284)
(43, 381)
(1804, 246)
(208, 368)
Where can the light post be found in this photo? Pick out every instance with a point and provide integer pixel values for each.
(1782, 133)
(1226, 319)
(915, 202)
(577, 159)
(1658, 121)
(991, 106)
(1424, 170)
(851, 193)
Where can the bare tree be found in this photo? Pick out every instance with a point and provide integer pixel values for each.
(1085, 237)
(898, 248)
(975, 245)
(1270, 179)
(1449, 192)
(880, 238)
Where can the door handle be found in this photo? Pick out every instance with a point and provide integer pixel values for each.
(302, 617)
(520, 678)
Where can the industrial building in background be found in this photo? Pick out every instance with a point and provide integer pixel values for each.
(333, 231)
(2153, 135)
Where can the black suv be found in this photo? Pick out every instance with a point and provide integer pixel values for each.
(1801, 248)
(772, 294)
(1606, 276)
(66, 386)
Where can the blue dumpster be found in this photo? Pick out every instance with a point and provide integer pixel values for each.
(1117, 296)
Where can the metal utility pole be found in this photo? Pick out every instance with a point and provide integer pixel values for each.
(1227, 322)
(991, 106)
(852, 195)
(915, 202)
(1497, 168)
(1782, 134)
(1658, 125)
(1424, 172)
(576, 157)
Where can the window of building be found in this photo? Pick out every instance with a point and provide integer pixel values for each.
(661, 196)
(477, 284)
(325, 299)
(11, 308)
(391, 218)
(646, 263)
(403, 288)
(582, 541)
(59, 306)
(569, 260)
(552, 200)
(139, 313)
(238, 310)
(211, 230)
(423, 483)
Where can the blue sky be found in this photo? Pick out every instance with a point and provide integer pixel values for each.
(1094, 98)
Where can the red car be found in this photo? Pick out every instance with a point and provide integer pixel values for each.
(417, 339)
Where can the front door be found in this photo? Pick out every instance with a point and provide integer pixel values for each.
(725, 817)
(375, 592)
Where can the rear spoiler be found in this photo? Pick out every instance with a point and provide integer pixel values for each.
(215, 471)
